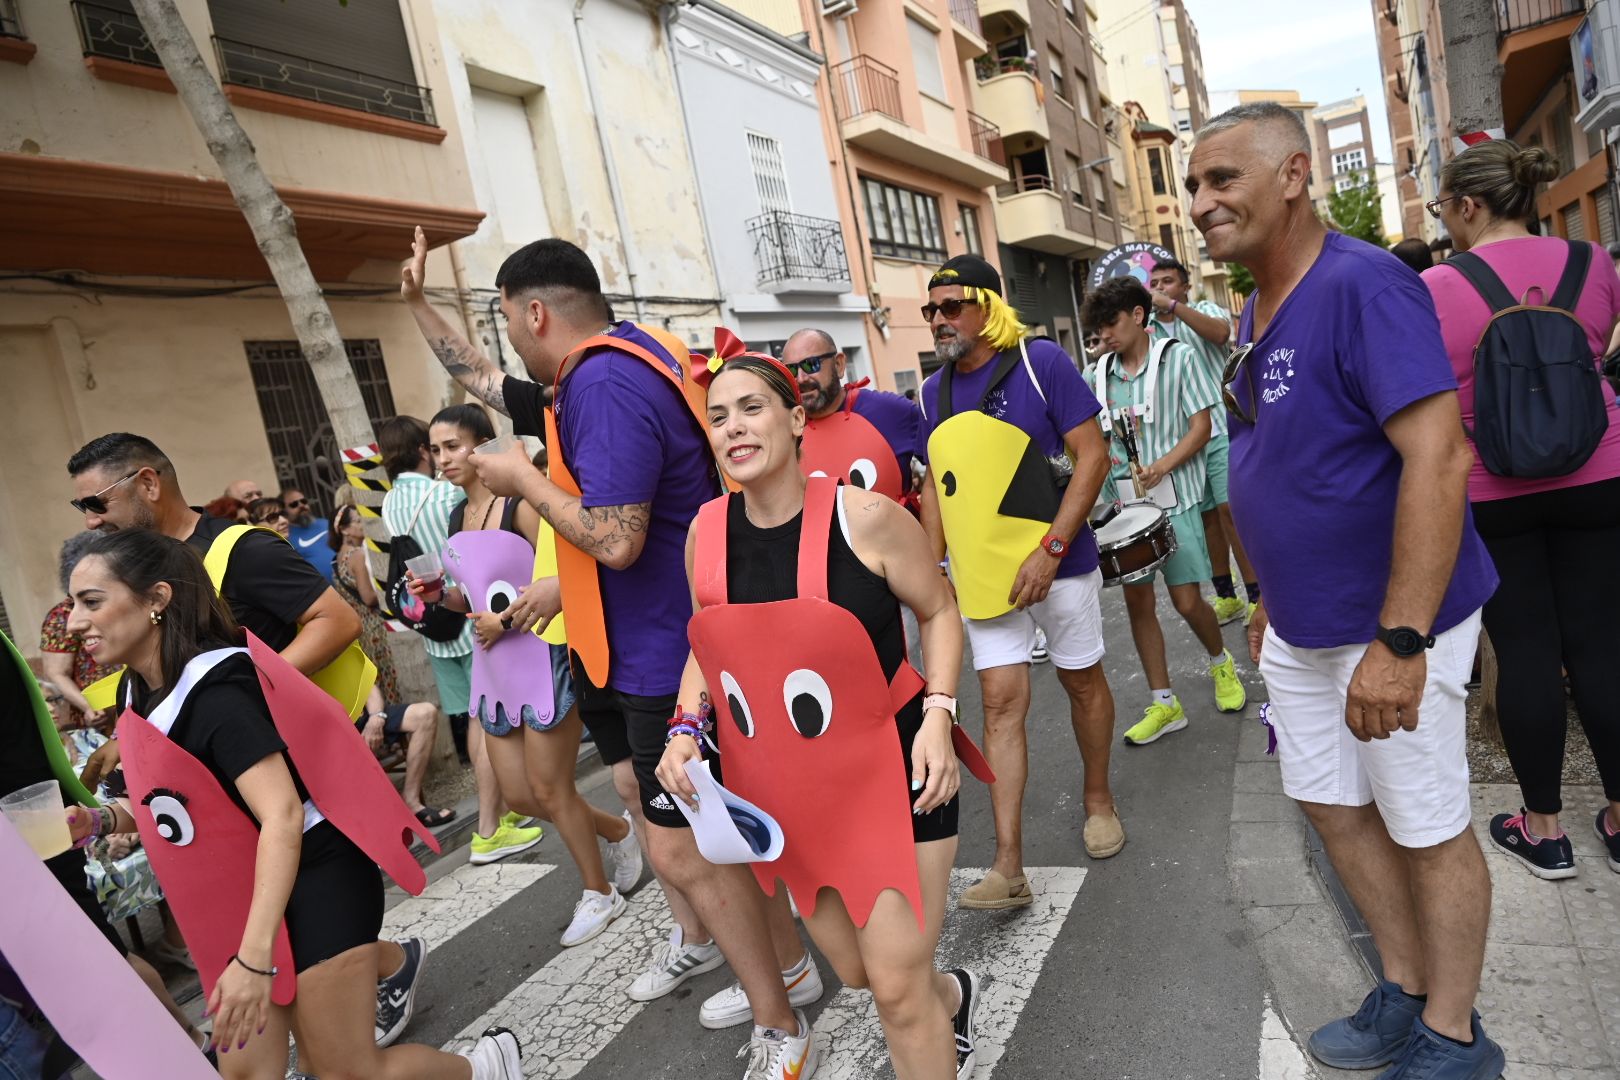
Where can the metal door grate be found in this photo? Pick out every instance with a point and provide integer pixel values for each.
(770, 175)
(305, 453)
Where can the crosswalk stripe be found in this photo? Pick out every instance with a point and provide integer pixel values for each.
(569, 1010)
(1005, 949)
(456, 901)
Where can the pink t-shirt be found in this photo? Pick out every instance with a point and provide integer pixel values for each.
(1522, 263)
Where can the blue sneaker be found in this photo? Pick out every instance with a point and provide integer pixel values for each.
(1434, 1057)
(1374, 1036)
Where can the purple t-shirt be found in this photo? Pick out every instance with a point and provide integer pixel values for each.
(898, 421)
(1045, 398)
(628, 437)
(1314, 480)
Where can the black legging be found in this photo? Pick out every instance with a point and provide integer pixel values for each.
(1558, 606)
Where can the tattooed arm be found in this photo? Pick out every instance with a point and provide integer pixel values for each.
(612, 535)
(466, 364)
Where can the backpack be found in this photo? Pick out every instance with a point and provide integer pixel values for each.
(1538, 396)
(433, 621)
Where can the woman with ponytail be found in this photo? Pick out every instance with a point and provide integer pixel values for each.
(1552, 537)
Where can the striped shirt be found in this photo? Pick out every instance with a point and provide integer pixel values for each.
(436, 499)
(1213, 355)
(1184, 388)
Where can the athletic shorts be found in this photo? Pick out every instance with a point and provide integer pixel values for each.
(632, 726)
(1216, 454)
(453, 674)
(337, 898)
(1071, 615)
(1190, 564)
(1418, 779)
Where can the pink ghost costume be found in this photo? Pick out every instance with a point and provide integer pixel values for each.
(511, 680)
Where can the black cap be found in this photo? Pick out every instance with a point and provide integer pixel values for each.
(967, 270)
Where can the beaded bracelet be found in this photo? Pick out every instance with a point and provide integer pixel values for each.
(257, 971)
(681, 729)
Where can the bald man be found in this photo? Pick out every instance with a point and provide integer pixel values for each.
(244, 491)
(1349, 489)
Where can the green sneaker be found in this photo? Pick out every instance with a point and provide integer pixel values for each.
(1248, 616)
(1229, 693)
(1158, 720)
(513, 819)
(506, 841)
(1226, 608)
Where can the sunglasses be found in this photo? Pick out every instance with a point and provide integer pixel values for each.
(1234, 365)
(95, 504)
(295, 504)
(810, 364)
(949, 308)
(265, 519)
(1433, 205)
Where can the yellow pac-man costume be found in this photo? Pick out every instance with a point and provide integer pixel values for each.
(997, 497)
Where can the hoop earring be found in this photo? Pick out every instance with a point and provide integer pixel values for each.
(156, 617)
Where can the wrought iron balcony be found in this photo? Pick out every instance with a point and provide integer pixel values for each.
(113, 34)
(966, 12)
(862, 85)
(986, 139)
(10, 25)
(258, 68)
(792, 248)
(1515, 15)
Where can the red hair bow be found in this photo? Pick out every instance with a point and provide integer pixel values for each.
(728, 346)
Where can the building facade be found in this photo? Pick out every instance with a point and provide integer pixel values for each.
(147, 306)
(1402, 182)
(911, 161)
(1342, 147)
(1061, 208)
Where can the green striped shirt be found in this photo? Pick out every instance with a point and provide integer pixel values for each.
(1184, 389)
(1213, 355)
(436, 498)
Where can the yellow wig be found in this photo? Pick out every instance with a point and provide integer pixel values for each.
(1002, 327)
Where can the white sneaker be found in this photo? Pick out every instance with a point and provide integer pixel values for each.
(674, 963)
(1039, 655)
(592, 915)
(626, 858)
(496, 1056)
(730, 1006)
(776, 1055)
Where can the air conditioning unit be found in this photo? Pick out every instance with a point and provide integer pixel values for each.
(1595, 57)
(839, 9)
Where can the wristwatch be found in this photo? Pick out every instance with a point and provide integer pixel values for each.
(1054, 545)
(940, 701)
(1404, 641)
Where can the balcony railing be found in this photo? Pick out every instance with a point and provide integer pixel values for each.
(793, 247)
(11, 26)
(1515, 15)
(862, 85)
(1028, 182)
(258, 68)
(986, 139)
(988, 67)
(113, 34)
(966, 12)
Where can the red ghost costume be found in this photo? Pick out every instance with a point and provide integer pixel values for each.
(806, 726)
(849, 447)
(203, 848)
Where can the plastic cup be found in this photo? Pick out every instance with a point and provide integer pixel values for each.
(36, 813)
(498, 445)
(429, 570)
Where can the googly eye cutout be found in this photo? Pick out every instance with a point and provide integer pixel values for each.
(809, 702)
(737, 705)
(172, 819)
(819, 472)
(863, 474)
(499, 596)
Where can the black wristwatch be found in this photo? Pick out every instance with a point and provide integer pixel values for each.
(1404, 641)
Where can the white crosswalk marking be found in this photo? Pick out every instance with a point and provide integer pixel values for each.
(457, 900)
(1005, 949)
(568, 1011)
(1280, 1056)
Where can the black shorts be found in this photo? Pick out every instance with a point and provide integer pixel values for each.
(632, 726)
(393, 724)
(337, 898)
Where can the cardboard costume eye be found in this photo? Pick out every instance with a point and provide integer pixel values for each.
(737, 705)
(499, 596)
(863, 474)
(170, 816)
(809, 702)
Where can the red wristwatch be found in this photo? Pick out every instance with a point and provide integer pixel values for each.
(1054, 545)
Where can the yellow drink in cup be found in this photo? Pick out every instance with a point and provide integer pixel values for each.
(36, 812)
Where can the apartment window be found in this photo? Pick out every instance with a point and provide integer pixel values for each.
(1054, 60)
(1156, 171)
(968, 218)
(1167, 239)
(1082, 95)
(925, 58)
(1072, 177)
(1574, 222)
(1099, 189)
(770, 175)
(905, 382)
(905, 224)
(1068, 9)
(1349, 161)
(506, 152)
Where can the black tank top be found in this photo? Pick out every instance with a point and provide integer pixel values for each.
(458, 519)
(762, 566)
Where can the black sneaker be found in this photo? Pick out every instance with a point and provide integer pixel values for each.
(396, 995)
(1548, 858)
(1610, 839)
(966, 1056)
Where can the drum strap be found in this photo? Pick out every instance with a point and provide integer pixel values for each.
(1155, 357)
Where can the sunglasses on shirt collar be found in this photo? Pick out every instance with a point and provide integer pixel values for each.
(1234, 365)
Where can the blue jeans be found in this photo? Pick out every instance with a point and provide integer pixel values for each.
(22, 1046)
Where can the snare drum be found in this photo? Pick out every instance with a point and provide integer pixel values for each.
(1134, 544)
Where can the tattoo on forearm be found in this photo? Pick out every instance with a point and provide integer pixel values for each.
(470, 370)
(599, 531)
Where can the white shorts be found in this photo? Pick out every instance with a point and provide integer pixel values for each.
(1071, 615)
(1418, 779)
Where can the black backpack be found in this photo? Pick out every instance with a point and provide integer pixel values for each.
(1538, 395)
(433, 621)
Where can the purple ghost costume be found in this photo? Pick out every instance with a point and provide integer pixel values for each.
(511, 680)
